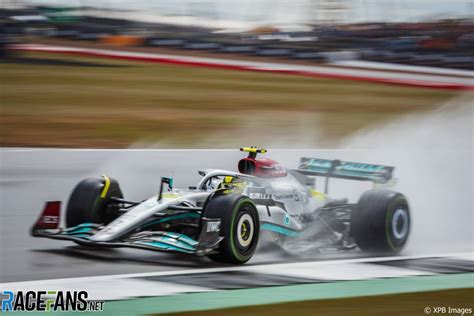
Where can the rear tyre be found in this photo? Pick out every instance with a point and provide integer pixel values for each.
(380, 221)
(89, 202)
(240, 227)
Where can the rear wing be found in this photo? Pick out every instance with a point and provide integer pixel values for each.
(378, 174)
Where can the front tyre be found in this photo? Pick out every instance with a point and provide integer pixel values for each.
(380, 221)
(89, 202)
(240, 227)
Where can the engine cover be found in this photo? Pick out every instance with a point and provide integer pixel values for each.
(262, 167)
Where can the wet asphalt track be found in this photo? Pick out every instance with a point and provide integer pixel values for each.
(30, 177)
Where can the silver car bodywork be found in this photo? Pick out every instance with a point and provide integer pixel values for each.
(287, 207)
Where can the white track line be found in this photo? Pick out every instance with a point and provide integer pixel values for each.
(116, 289)
(346, 271)
(250, 268)
(403, 67)
(406, 78)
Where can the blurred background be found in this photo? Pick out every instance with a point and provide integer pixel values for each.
(423, 49)
(379, 81)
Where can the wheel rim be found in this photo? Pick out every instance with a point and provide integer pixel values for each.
(245, 231)
(400, 224)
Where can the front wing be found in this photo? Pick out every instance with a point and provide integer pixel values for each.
(209, 239)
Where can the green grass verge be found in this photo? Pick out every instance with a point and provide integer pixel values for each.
(269, 296)
(394, 304)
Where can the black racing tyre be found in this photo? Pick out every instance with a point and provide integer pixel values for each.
(89, 202)
(380, 222)
(240, 227)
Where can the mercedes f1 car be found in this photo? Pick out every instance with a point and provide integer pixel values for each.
(224, 216)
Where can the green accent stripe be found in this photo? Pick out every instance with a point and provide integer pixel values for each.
(162, 245)
(182, 238)
(89, 226)
(80, 235)
(78, 231)
(174, 217)
(280, 230)
(292, 293)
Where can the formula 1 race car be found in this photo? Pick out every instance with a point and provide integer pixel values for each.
(226, 213)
